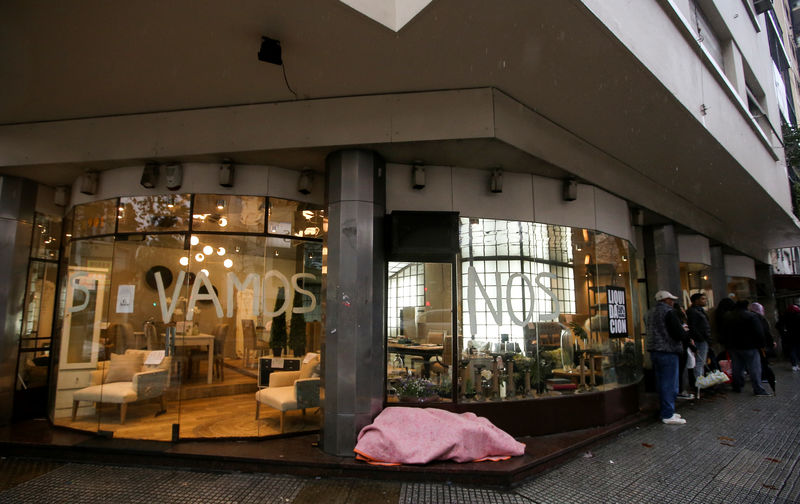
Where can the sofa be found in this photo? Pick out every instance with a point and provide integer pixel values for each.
(123, 379)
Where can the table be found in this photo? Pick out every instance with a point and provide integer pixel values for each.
(425, 351)
(201, 339)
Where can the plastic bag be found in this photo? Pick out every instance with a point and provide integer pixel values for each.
(726, 367)
(690, 360)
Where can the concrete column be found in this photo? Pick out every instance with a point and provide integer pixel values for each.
(354, 348)
(17, 201)
(719, 279)
(661, 261)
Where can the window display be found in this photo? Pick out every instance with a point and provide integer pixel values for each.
(165, 323)
(543, 311)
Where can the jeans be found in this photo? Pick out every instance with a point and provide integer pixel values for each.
(702, 353)
(749, 359)
(665, 368)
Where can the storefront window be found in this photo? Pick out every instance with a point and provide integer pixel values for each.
(420, 363)
(229, 214)
(165, 329)
(94, 219)
(696, 278)
(169, 212)
(543, 311)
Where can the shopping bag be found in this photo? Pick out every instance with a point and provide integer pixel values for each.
(726, 367)
(690, 360)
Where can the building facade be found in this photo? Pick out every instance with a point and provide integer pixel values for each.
(483, 196)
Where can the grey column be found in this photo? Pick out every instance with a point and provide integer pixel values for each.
(719, 279)
(354, 316)
(662, 263)
(17, 200)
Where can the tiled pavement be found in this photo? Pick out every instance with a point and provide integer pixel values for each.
(735, 448)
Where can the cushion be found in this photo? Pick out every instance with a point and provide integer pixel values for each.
(307, 368)
(280, 398)
(123, 367)
(119, 392)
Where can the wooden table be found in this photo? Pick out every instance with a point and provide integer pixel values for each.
(425, 351)
(201, 339)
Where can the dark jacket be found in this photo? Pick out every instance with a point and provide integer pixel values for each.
(664, 330)
(742, 330)
(699, 325)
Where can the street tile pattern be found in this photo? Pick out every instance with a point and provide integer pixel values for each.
(735, 448)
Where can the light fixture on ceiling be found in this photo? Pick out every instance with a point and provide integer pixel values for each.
(220, 204)
(208, 250)
(221, 251)
(227, 263)
(417, 176)
(199, 257)
(204, 271)
(223, 222)
(61, 196)
(184, 261)
(569, 189)
(89, 183)
(226, 172)
(174, 176)
(496, 181)
(149, 175)
(305, 182)
(171, 202)
(194, 240)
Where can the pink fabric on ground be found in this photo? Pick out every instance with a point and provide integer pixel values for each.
(420, 435)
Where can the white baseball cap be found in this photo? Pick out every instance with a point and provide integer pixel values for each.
(662, 295)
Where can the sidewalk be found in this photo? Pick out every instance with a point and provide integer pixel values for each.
(735, 448)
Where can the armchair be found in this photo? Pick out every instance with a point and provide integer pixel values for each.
(292, 390)
(123, 380)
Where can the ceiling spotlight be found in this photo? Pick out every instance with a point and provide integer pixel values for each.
(184, 261)
(496, 182)
(569, 190)
(174, 176)
(305, 182)
(194, 240)
(149, 175)
(220, 204)
(223, 222)
(199, 257)
(89, 183)
(227, 263)
(207, 250)
(418, 177)
(171, 202)
(226, 173)
(270, 51)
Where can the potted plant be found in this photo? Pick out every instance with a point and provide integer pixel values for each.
(415, 389)
(278, 333)
(297, 330)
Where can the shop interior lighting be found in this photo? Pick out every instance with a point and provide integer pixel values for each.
(221, 251)
(204, 271)
(171, 202)
(208, 250)
(199, 257)
(587, 259)
(223, 222)
(184, 261)
(220, 204)
(308, 214)
(227, 263)
(194, 240)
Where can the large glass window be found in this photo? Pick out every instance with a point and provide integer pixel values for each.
(178, 321)
(543, 311)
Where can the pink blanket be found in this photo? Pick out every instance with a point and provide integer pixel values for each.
(419, 435)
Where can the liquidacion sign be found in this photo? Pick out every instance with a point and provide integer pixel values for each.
(617, 312)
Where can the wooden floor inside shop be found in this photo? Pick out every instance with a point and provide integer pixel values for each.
(222, 409)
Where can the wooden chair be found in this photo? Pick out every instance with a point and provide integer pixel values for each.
(250, 342)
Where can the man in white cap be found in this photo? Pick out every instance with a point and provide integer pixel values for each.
(664, 335)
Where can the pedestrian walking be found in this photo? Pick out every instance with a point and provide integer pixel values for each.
(769, 344)
(744, 338)
(664, 335)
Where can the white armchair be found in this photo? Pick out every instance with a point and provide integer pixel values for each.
(123, 380)
(292, 390)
